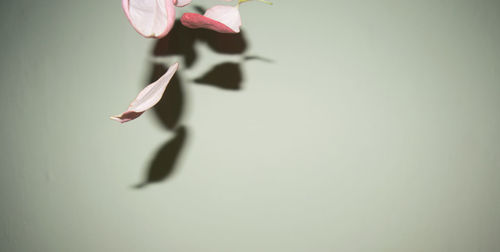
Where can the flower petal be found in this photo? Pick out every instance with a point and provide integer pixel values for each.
(150, 18)
(148, 97)
(126, 116)
(220, 18)
(228, 15)
(181, 3)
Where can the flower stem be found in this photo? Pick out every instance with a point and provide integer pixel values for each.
(262, 1)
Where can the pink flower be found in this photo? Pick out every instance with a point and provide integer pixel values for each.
(148, 97)
(152, 18)
(220, 18)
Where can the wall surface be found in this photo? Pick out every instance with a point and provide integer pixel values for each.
(325, 126)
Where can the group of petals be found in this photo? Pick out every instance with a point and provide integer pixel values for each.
(154, 19)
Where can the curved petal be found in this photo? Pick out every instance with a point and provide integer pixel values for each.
(148, 97)
(228, 15)
(150, 18)
(220, 18)
(181, 3)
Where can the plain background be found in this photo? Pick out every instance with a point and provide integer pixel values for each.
(365, 126)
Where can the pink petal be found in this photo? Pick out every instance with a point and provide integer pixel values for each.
(182, 3)
(220, 18)
(126, 116)
(150, 18)
(148, 97)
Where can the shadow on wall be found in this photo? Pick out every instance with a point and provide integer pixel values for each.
(165, 160)
(226, 75)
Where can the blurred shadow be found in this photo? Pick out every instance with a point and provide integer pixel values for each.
(181, 41)
(224, 43)
(163, 165)
(226, 75)
(253, 57)
(199, 9)
(169, 108)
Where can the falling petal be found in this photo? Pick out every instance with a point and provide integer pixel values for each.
(150, 18)
(126, 116)
(220, 18)
(181, 3)
(148, 97)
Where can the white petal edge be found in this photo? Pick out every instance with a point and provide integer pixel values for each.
(228, 15)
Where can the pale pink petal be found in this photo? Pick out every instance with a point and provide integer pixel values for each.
(182, 3)
(220, 18)
(148, 97)
(228, 15)
(150, 18)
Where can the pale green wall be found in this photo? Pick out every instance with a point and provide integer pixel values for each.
(376, 127)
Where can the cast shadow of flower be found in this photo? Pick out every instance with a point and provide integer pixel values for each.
(170, 110)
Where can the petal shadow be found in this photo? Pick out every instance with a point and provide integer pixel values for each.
(224, 43)
(163, 165)
(226, 75)
(180, 41)
(169, 108)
